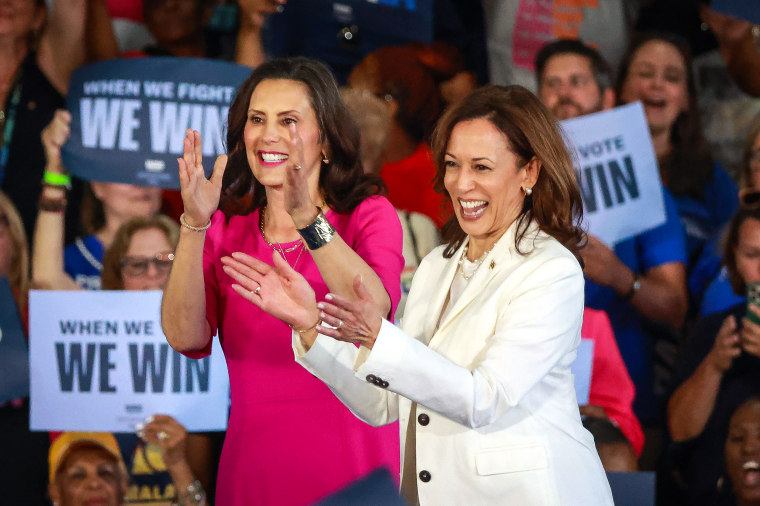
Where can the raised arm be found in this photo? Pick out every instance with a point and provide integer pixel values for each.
(183, 309)
(693, 402)
(62, 46)
(47, 252)
(661, 292)
(249, 49)
(528, 342)
(338, 263)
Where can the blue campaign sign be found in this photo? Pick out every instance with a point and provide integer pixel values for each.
(342, 33)
(14, 352)
(129, 116)
(742, 9)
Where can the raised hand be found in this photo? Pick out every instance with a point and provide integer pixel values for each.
(168, 434)
(54, 136)
(351, 321)
(726, 348)
(298, 200)
(601, 263)
(200, 196)
(279, 290)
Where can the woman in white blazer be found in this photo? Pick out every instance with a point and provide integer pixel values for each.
(478, 374)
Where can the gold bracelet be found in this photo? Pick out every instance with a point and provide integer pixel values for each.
(306, 330)
(190, 227)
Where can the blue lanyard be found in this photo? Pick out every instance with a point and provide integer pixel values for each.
(8, 120)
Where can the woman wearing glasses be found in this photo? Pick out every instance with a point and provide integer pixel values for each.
(720, 367)
(139, 248)
(105, 207)
(166, 458)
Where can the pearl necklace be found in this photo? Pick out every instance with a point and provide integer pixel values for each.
(278, 247)
(476, 262)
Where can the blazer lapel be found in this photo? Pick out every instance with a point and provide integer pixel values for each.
(439, 295)
(496, 259)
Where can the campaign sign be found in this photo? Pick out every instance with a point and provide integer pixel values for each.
(741, 9)
(582, 370)
(617, 173)
(100, 362)
(129, 116)
(14, 355)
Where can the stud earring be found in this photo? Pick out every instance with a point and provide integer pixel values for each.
(528, 191)
(325, 160)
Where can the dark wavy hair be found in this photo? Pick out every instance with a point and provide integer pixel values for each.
(689, 166)
(532, 131)
(343, 181)
(731, 242)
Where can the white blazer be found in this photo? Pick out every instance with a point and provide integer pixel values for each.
(493, 379)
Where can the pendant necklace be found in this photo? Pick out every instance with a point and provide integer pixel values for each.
(475, 262)
(278, 247)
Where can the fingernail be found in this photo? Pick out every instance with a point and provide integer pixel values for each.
(322, 315)
(320, 305)
(329, 296)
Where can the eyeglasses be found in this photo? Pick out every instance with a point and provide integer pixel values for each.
(134, 266)
(749, 198)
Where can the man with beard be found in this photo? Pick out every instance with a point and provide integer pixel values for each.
(573, 79)
(641, 282)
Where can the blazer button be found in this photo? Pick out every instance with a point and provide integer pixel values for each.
(425, 476)
(423, 419)
(371, 378)
(384, 384)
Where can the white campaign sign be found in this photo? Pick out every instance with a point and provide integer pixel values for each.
(100, 362)
(618, 173)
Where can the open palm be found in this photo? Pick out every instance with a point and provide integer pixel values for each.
(279, 290)
(200, 196)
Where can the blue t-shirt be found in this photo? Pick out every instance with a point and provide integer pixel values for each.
(709, 287)
(703, 219)
(82, 260)
(658, 246)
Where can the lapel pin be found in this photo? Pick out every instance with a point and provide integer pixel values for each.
(493, 264)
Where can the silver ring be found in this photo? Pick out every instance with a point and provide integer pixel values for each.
(340, 324)
(257, 290)
(297, 167)
(162, 435)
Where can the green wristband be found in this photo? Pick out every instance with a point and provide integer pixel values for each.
(54, 179)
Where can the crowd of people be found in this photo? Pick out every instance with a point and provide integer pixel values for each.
(396, 265)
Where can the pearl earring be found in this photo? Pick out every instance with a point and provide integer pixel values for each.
(529, 191)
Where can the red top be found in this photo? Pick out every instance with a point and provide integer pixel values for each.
(410, 185)
(611, 385)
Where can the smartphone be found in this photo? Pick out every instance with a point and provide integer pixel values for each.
(753, 299)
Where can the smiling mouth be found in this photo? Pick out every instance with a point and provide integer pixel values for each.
(272, 157)
(654, 102)
(473, 208)
(751, 475)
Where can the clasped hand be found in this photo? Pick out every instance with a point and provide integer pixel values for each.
(285, 294)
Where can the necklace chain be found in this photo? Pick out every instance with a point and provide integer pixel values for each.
(476, 262)
(277, 246)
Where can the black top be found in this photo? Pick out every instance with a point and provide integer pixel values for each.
(701, 459)
(26, 157)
